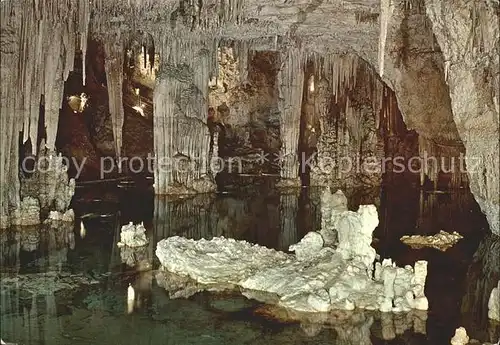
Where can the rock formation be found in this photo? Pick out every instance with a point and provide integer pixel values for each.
(433, 45)
(460, 337)
(316, 279)
(471, 50)
(441, 241)
(133, 235)
(494, 304)
(442, 66)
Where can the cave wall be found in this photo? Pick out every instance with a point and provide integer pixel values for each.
(244, 100)
(468, 34)
(353, 113)
(441, 58)
(85, 136)
(412, 63)
(448, 47)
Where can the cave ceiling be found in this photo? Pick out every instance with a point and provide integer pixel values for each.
(322, 26)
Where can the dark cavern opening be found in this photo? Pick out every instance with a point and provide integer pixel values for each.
(247, 171)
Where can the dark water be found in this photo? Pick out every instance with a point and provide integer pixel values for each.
(62, 286)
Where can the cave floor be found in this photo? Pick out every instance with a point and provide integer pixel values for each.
(72, 289)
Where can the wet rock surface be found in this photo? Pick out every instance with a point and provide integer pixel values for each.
(316, 278)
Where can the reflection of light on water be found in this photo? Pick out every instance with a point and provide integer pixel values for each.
(130, 299)
(83, 231)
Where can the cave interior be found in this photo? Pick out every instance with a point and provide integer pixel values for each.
(231, 119)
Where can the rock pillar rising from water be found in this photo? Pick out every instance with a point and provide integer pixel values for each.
(181, 136)
(290, 83)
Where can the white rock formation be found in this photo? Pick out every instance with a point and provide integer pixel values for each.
(354, 229)
(308, 247)
(67, 217)
(355, 233)
(441, 241)
(133, 236)
(28, 213)
(332, 205)
(494, 304)
(460, 337)
(316, 279)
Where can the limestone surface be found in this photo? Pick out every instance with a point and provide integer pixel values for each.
(308, 247)
(317, 279)
(28, 213)
(133, 236)
(460, 337)
(441, 241)
(494, 304)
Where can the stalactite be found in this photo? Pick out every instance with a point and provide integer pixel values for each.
(341, 70)
(386, 9)
(83, 28)
(53, 84)
(115, 53)
(214, 154)
(440, 158)
(361, 109)
(242, 51)
(38, 48)
(291, 82)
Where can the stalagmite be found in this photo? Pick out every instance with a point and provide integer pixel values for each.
(460, 337)
(133, 236)
(291, 83)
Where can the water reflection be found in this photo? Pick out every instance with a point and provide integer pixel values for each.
(44, 247)
(276, 219)
(34, 275)
(63, 285)
(482, 276)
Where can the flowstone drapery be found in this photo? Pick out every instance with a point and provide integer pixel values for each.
(182, 137)
(39, 41)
